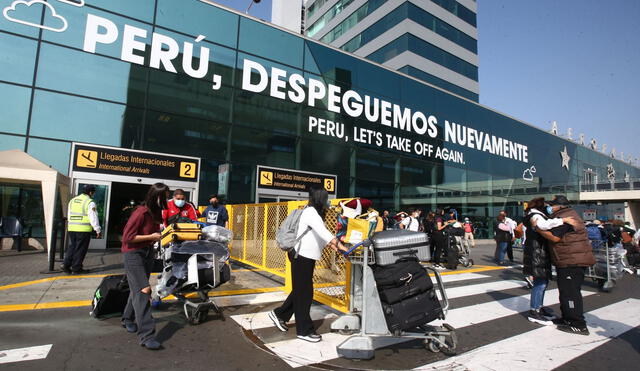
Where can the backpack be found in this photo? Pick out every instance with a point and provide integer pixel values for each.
(518, 231)
(593, 232)
(286, 234)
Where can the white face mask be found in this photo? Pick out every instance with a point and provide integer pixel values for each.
(178, 203)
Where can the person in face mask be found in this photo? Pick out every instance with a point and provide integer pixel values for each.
(178, 208)
(216, 213)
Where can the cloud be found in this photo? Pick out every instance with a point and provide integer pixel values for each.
(73, 2)
(15, 11)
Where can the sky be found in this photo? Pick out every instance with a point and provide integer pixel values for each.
(573, 61)
(576, 62)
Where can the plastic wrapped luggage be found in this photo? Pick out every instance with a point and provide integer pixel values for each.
(416, 285)
(392, 245)
(397, 274)
(413, 312)
(181, 232)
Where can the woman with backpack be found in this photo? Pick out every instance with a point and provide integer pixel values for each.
(313, 238)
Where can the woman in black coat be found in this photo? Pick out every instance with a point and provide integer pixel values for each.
(537, 260)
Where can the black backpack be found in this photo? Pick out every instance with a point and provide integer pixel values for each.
(110, 297)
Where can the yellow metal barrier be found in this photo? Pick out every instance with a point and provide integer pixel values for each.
(254, 229)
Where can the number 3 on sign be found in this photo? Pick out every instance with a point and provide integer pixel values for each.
(329, 185)
(187, 169)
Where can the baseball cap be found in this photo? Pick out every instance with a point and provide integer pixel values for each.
(559, 200)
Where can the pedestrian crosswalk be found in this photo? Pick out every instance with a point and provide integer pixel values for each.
(477, 301)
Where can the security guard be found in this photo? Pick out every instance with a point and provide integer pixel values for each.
(83, 220)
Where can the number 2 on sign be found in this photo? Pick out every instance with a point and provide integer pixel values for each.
(187, 170)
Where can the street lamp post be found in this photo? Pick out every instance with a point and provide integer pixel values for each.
(250, 4)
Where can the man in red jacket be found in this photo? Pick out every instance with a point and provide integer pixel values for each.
(177, 208)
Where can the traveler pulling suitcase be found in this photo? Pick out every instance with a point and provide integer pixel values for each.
(110, 297)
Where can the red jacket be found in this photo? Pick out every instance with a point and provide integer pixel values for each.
(187, 211)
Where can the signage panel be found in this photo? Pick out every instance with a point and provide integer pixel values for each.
(294, 180)
(126, 162)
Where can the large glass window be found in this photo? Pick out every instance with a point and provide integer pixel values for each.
(458, 9)
(254, 146)
(75, 33)
(420, 16)
(8, 142)
(336, 9)
(53, 153)
(14, 105)
(353, 19)
(67, 117)
(17, 59)
(140, 9)
(446, 85)
(199, 18)
(268, 42)
(91, 75)
(427, 50)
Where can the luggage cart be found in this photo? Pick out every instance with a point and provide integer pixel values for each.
(604, 272)
(367, 323)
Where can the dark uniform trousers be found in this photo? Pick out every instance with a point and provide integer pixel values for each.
(77, 250)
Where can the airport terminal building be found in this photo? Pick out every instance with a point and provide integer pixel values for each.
(200, 96)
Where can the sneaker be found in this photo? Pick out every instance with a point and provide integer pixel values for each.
(439, 267)
(313, 337)
(280, 324)
(547, 313)
(535, 316)
(131, 327)
(573, 329)
(152, 344)
(529, 282)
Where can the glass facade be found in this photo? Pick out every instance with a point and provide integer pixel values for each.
(268, 97)
(421, 17)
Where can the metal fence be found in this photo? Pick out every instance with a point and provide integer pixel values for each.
(254, 231)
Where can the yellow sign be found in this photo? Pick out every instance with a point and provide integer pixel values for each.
(266, 178)
(87, 159)
(329, 184)
(188, 169)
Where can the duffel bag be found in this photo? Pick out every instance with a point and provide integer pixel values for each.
(397, 274)
(110, 297)
(418, 284)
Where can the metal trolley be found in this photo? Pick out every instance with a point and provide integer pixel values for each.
(366, 321)
(605, 272)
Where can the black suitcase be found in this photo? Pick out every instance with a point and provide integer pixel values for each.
(452, 252)
(110, 297)
(397, 274)
(413, 312)
(417, 285)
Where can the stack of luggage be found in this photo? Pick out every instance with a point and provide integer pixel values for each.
(406, 291)
(456, 252)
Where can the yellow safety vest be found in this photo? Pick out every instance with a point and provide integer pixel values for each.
(79, 214)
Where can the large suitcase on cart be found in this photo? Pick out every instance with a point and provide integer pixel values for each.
(181, 232)
(452, 251)
(391, 245)
(413, 312)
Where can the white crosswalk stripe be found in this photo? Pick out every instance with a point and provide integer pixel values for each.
(24, 354)
(546, 348)
(299, 353)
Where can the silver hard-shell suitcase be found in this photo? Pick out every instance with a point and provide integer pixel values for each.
(392, 245)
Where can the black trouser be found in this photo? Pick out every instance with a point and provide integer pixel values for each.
(510, 250)
(299, 300)
(137, 265)
(78, 246)
(570, 281)
(439, 240)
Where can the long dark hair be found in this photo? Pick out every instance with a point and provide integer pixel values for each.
(156, 200)
(318, 200)
(536, 203)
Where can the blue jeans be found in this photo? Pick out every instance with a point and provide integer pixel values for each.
(537, 292)
(502, 249)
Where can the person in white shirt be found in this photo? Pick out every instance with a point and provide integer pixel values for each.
(315, 237)
(411, 222)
